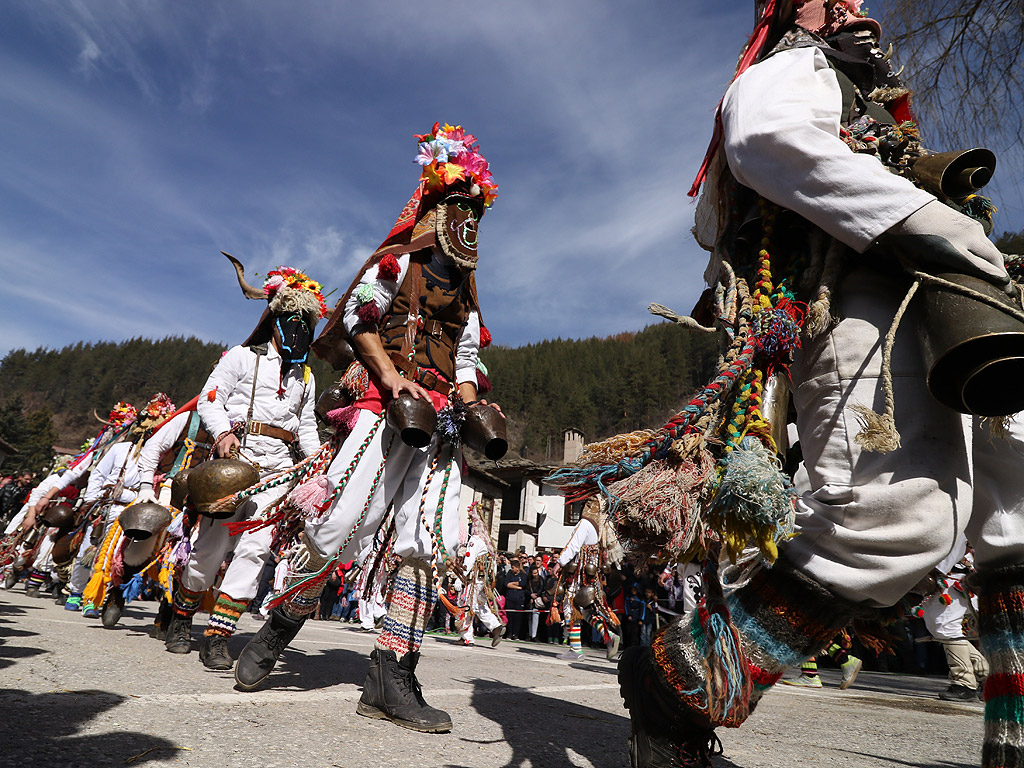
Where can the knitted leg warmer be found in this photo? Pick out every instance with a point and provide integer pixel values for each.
(410, 601)
(781, 619)
(574, 638)
(225, 615)
(186, 602)
(1001, 630)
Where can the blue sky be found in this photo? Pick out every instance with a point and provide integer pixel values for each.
(138, 139)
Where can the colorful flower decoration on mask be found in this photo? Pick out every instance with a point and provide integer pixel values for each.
(448, 154)
(122, 413)
(159, 406)
(286, 277)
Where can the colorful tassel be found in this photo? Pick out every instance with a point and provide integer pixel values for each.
(309, 496)
(356, 380)
(483, 384)
(344, 419)
(132, 589)
(450, 420)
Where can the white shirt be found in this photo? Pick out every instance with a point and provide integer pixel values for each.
(467, 351)
(781, 120)
(106, 473)
(583, 535)
(232, 379)
(159, 443)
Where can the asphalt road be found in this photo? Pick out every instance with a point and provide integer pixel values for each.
(74, 694)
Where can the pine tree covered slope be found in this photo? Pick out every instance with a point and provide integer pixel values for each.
(598, 386)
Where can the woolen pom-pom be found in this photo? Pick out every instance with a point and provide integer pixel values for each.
(369, 314)
(483, 384)
(485, 337)
(387, 268)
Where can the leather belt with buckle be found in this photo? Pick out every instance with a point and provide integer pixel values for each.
(422, 376)
(268, 430)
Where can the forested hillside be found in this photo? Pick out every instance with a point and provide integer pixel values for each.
(599, 386)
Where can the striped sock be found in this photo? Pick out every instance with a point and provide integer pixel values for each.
(809, 668)
(781, 617)
(35, 579)
(410, 602)
(574, 638)
(1001, 631)
(186, 602)
(838, 654)
(224, 616)
(303, 566)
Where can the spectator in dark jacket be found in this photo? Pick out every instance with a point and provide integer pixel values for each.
(515, 589)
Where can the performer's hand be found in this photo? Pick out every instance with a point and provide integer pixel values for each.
(146, 495)
(495, 406)
(395, 383)
(939, 239)
(227, 443)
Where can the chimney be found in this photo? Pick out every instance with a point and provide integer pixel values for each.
(573, 445)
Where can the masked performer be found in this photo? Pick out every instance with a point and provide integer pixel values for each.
(113, 484)
(413, 319)
(480, 565)
(178, 443)
(259, 398)
(810, 175)
(579, 596)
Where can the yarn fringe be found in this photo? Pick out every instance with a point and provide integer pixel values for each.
(754, 501)
(308, 497)
(878, 430)
(132, 589)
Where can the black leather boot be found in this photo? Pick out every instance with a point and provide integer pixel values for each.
(257, 659)
(163, 620)
(179, 635)
(213, 652)
(660, 737)
(392, 692)
(113, 606)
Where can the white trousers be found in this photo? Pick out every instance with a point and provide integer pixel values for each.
(211, 547)
(80, 572)
(44, 555)
(371, 609)
(404, 483)
(872, 524)
(483, 612)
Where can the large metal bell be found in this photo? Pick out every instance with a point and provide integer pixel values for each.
(974, 352)
(584, 597)
(179, 489)
(334, 397)
(141, 521)
(413, 419)
(218, 479)
(59, 516)
(484, 431)
(956, 174)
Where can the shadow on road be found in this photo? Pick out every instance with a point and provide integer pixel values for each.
(314, 670)
(42, 730)
(545, 730)
(894, 761)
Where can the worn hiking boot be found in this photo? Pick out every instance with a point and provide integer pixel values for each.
(496, 634)
(804, 681)
(11, 578)
(660, 738)
(392, 692)
(113, 606)
(957, 692)
(179, 635)
(851, 668)
(612, 649)
(213, 652)
(257, 659)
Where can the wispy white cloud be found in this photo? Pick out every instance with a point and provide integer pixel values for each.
(142, 138)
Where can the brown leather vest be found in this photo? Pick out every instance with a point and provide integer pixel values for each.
(444, 307)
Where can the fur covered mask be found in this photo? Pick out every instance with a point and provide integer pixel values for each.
(455, 225)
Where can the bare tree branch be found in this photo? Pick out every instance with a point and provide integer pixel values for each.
(965, 63)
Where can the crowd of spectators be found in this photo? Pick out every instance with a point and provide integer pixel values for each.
(14, 490)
